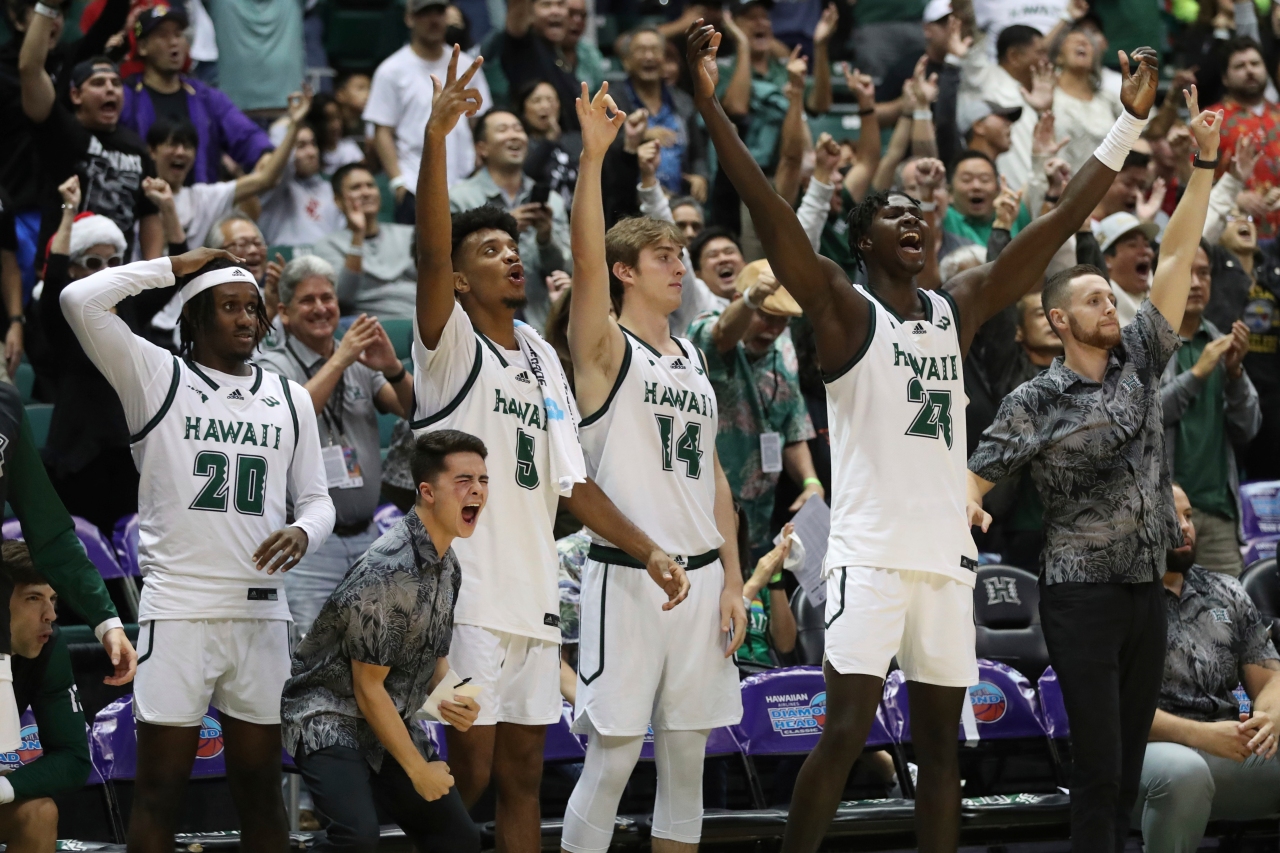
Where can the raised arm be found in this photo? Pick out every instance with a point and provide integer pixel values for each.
(37, 87)
(595, 342)
(270, 170)
(795, 140)
(820, 286)
(861, 172)
(982, 292)
(435, 241)
(820, 97)
(1172, 279)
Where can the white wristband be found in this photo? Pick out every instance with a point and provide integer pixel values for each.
(921, 115)
(1124, 133)
(746, 300)
(48, 12)
(397, 182)
(355, 251)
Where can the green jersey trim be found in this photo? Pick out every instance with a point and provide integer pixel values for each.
(288, 398)
(857, 356)
(462, 393)
(198, 372)
(164, 407)
(613, 392)
(843, 574)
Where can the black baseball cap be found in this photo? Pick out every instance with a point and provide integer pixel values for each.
(82, 71)
(157, 15)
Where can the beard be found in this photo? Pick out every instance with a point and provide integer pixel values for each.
(515, 303)
(1095, 337)
(1178, 560)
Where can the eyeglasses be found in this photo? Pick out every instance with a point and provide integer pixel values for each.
(93, 263)
(1239, 217)
(242, 246)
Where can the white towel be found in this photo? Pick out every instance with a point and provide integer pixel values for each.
(567, 464)
(10, 721)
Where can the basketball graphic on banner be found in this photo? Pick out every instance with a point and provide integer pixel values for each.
(989, 703)
(210, 745)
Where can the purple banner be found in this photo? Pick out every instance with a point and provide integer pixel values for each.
(1053, 712)
(125, 541)
(29, 749)
(100, 552)
(1260, 503)
(784, 710)
(1003, 702)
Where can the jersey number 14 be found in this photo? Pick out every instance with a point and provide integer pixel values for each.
(934, 418)
(687, 447)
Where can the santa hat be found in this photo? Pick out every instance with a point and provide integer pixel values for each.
(91, 229)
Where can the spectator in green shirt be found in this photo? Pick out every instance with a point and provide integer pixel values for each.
(771, 626)
(1210, 410)
(752, 365)
(975, 184)
(43, 682)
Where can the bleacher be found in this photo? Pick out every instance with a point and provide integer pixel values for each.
(1014, 734)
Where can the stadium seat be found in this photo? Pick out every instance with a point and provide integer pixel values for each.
(100, 552)
(39, 415)
(1262, 581)
(400, 331)
(811, 634)
(25, 378)
(1006, 613)
(840, 125)
(285, 252)
(386, 426)
(1260, 505)
(125, 541)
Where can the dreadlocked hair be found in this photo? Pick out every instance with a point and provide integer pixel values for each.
(863, 214)
(197, 314)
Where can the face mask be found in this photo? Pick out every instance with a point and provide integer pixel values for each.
(457, 35)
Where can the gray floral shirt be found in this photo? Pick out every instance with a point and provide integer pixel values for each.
(1096, 452)
(1214, 630)
(394, 609)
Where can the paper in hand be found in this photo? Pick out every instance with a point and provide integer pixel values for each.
(451, 685)
(812, 526)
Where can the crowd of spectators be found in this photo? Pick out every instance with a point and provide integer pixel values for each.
(158, 127)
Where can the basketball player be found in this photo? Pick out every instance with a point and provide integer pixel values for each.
(900, 559)
(218, 442)
(650, 444)
(477, 371)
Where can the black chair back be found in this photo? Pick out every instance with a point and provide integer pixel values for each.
(1262, 581)
(1006, 613)
(811, 633)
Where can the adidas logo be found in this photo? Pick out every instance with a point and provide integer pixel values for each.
(523, 376)
(918, 330)
(678, 364)
(238, 273)
(235, 395)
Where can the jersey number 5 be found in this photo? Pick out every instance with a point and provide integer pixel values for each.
(934, 418)
(687, 446)
(250, 483)
(526, 467)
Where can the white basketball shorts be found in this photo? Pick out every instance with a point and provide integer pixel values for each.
(519, 676)
(640, 665)
(184, 665)
(924, 618)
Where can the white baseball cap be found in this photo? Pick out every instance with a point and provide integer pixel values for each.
(1118, 225)
(936, 10)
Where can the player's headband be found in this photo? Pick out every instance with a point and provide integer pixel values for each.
(213, 278)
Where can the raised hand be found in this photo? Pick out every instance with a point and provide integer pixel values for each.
(926, 86)
(1147, 208)
(1205, 126)
(600, 119)
(931, 175)
(1138, 91)
(797, 67)
(826, 25)
(1233, 361)
(453, 99)
(1058, 173)
(1247, 154)
(70, 192)
(380, 354)
(157, 191)
(1006, 205)
(635, 126)
(299, 106)
(1077, 9)
(958, 44)
(557, 283)
(1043, 81)
(189, 262)
(649, 156)
(359, 335)
(703, 44)
(1043, 143)
(826, 156)
(862, 86)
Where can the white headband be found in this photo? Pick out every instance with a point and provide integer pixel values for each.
(201, 283)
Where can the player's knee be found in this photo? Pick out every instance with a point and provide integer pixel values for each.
(36, 821)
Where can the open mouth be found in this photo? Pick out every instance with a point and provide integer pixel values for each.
(1143, 268)
(470, 512)
(726, 272)
(1244, 232)
(911, 241)
(516, 274)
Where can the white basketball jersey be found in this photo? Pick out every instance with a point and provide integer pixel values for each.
(651, 447)
(509, 565)
(214, 473)
(898, 446)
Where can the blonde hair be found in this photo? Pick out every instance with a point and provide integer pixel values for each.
(625, 240)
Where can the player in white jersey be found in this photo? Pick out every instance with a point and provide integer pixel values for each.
(474, 370)
(649, 437)
(900, 552)
(220, 446)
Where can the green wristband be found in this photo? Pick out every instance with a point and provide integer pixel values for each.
(812, 481)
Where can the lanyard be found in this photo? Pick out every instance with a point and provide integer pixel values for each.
(332, 411)
(762, 411)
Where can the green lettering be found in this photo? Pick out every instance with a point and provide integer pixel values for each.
(250, 437)
(667, 399)
(933, 369)
(211, 431)
(917, 366)
(193, 429)
(899, 356)
(955, 374)
(693, 405)
(680, 401)
(535, 417)
(651, 392)
(229, 435)
(500, 402)
(266, 434)
(277, 447)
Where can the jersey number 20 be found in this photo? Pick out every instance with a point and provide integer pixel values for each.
(687, 446)
(934, 418)
(250, 483)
